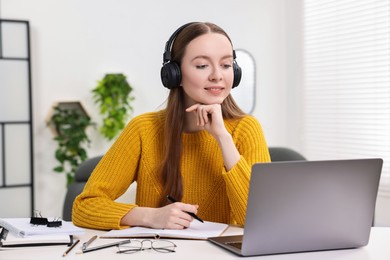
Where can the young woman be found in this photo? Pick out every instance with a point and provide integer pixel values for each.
(198, 150)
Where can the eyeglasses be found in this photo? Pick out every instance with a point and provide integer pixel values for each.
(161, 246)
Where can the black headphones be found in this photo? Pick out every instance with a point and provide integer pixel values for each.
(170, 71)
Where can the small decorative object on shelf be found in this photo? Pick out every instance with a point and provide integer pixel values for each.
(113, 95)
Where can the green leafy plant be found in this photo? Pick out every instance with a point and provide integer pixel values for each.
(113, 95)
(70, 125)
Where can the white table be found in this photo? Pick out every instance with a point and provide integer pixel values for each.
(377, 249)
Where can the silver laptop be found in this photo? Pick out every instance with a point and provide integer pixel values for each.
(304, 206)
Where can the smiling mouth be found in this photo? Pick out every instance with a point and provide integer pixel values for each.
(214, 90)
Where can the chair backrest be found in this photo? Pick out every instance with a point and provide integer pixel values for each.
(279, 154)
(81, 177)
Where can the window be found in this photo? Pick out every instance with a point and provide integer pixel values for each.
(347, 80)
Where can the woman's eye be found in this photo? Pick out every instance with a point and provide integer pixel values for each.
(201, 66)
(227, 66)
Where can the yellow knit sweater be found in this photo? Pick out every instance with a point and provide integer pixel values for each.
(135, 156)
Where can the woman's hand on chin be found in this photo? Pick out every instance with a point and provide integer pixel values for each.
(209, 117)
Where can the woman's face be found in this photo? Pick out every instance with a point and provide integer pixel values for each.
(207, 69)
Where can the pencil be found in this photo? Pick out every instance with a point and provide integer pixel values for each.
(71, 247)
(190, 213)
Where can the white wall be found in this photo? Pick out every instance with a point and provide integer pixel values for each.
(74, 43)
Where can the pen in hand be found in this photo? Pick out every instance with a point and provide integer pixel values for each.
(190, 213)
(71, 247)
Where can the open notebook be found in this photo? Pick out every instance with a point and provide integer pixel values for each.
(196, 230)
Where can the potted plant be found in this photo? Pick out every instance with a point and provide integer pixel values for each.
(69, 122)
(113, 95)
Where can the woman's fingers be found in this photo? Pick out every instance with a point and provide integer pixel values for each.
(202, 113)
(174, 216)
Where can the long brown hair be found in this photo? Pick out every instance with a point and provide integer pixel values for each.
(175, 111)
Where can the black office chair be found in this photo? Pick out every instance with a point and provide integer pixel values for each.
(279, 154)
(81, 176)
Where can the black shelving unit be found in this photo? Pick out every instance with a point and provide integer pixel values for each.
(16, 120)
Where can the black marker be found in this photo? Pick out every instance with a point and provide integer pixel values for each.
(190, 213)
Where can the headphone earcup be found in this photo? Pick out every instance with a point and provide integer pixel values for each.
(237, 74)
(171, 75)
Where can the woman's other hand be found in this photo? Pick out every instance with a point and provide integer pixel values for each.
(172, 216)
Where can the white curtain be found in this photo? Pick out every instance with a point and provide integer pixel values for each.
(347, 80)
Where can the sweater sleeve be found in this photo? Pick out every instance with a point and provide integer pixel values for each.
(95, 207)
(251, 144)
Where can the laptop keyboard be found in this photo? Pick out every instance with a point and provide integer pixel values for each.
(237, 244)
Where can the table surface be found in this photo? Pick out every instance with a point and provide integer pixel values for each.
(378, 249)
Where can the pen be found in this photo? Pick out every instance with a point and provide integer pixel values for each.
(86, 244)
(71, 247)
(190, 213)
(105, 246)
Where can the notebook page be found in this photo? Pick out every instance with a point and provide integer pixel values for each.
(196, 230)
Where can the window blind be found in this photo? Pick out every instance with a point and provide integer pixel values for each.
(347, 80)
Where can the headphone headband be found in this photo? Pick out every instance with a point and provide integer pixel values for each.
(168, 45)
